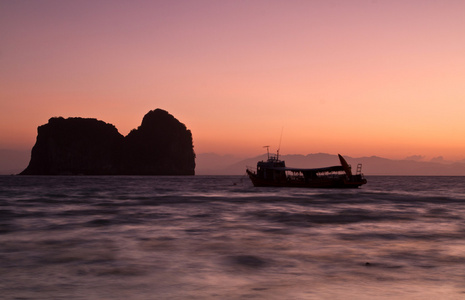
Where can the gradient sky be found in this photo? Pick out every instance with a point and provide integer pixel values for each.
(360, 78)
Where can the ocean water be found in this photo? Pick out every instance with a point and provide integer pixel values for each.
(218, 237)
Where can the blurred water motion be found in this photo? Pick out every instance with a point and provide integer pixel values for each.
(217, 237)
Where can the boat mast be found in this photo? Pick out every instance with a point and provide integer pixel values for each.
(279, 147)
(267, 151)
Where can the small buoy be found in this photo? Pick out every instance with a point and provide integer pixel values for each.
(367, 264)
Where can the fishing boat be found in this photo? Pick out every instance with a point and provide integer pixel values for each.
(274, 173)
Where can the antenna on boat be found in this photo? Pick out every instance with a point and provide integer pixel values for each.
(267, 151)
(279, 147)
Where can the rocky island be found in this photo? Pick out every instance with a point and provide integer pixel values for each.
(161, 145)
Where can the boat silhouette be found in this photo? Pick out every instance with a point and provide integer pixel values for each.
(274, 173)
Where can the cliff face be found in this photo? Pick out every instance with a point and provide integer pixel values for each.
(76, 146)
(161, 145)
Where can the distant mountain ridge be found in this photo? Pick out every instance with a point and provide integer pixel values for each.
(373, 165)
(14, 161)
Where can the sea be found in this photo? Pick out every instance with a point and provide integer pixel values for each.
(218, 237)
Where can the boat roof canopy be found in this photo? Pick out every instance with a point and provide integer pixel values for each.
(315, 170)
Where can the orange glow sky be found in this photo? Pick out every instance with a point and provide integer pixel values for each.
(360, 78)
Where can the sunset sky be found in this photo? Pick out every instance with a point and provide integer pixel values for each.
(359, 78)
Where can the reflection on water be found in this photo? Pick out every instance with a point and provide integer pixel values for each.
(220, 238)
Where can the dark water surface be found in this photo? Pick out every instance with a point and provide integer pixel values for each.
(218, 237)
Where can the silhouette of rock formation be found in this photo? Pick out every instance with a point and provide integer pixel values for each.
(161, 145)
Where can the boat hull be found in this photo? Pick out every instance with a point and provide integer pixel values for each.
(321, 182)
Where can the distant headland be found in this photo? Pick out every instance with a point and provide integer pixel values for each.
(161, 145)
